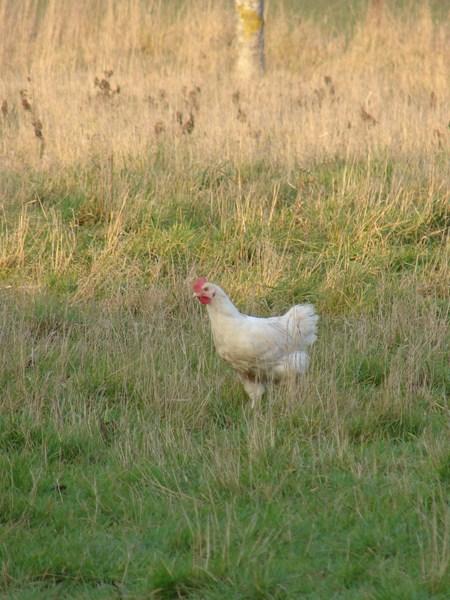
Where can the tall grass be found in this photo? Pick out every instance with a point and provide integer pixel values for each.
(132, 161)
(384, 90)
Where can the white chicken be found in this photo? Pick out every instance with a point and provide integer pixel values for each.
(259, 349)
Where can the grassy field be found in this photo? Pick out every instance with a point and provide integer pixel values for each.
(132, 160)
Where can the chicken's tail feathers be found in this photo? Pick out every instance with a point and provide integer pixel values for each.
(302, 321)
(296, 363)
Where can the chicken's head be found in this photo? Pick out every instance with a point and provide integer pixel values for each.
(204, 290)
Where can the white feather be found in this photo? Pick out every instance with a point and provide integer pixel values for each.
(261, 349)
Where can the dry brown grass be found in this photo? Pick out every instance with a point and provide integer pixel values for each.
(131, 160)
(120, 78)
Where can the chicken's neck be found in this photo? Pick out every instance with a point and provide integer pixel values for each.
(222, 307)
(225, 320)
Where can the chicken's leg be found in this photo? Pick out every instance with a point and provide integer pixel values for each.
(254, 389)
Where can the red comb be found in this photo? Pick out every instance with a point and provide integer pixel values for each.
(198, 284)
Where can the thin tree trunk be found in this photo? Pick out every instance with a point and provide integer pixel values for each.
(250, 37)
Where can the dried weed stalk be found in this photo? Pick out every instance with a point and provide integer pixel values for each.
(35, 122)
(103, 85)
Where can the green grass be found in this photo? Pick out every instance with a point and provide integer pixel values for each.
(337, 15)
(132, 465)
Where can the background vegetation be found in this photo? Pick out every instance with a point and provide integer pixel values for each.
(131, 161)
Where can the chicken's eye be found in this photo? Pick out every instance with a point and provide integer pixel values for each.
(206, 289)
